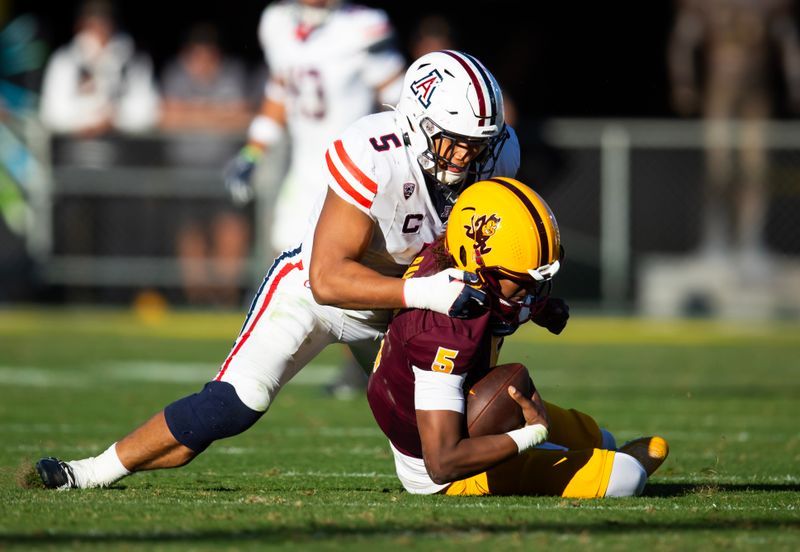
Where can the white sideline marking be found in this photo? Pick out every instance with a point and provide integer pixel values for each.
(52, 428)
(330, 431)
(152, 372)
(182, 372)
(31, 376)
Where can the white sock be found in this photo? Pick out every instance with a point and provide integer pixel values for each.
(628, 476)
(99, 471)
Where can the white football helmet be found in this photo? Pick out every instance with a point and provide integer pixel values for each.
(452, 95)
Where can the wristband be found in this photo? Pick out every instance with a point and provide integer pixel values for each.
(528, 436)
(251, 153)
(411, 291)
(264, 130)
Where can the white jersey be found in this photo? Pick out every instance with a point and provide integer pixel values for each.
(325, 76)
(371, 167)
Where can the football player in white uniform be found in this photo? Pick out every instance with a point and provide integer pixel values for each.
(392, 179)
(330, 64)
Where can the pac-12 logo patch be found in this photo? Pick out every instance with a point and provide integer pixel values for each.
(481, 229)
(408, 189)
(424, 88)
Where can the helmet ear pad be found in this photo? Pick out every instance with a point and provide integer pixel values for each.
(462, 255)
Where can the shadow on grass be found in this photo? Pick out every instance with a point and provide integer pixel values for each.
(320, 532)
(684, 489)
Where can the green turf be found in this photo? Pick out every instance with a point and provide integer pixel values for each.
(316, 473)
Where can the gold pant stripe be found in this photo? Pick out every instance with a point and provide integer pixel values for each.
(570, 473)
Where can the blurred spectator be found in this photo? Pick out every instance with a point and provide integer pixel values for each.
(203, 89)
(98, 82)
(736, 98)
(431, 33)
(205, 96)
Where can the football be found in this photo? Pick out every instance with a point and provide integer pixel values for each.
(490, 409)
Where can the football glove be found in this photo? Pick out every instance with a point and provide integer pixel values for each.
(447, 292)
(238, 175)
(553, 315)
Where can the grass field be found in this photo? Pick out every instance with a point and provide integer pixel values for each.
(316, 473)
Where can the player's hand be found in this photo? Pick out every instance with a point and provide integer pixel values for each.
(447, 292)
(238, 175)
(553, 315)
(533, 408)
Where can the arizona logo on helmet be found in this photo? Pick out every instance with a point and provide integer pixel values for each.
(481, 229)
(424, 88)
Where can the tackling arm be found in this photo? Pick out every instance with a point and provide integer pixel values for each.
(336, 275)
(337, 278)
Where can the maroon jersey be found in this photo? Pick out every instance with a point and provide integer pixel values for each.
(424, 341)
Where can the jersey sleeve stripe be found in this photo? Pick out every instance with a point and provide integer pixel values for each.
(366, 181)
(345, 186)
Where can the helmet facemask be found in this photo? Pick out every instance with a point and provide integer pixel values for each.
(438, 159)
(508, 313)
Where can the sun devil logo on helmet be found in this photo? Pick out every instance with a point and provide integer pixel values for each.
(481, 229)
(424, 88)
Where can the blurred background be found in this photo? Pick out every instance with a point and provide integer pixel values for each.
(663, 134)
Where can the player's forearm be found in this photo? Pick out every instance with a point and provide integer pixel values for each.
(469, 457)
(351, 285)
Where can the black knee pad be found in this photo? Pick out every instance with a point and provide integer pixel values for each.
(214, 413)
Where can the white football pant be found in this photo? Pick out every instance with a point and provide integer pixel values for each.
(285, 329)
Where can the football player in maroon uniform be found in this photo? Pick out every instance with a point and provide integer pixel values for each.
(505, 233)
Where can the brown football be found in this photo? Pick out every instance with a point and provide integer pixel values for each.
(490, 409)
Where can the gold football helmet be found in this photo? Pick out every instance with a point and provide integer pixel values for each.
(501, 229)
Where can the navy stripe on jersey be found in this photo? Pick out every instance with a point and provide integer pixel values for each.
(544, 253)
(288, 254)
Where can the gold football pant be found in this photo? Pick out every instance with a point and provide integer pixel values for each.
(581, 472)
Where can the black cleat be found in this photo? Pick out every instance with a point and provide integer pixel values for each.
(56, 474)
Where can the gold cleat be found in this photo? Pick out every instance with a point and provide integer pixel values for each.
(649, 451)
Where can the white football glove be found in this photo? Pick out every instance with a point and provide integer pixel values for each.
(446, 292)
